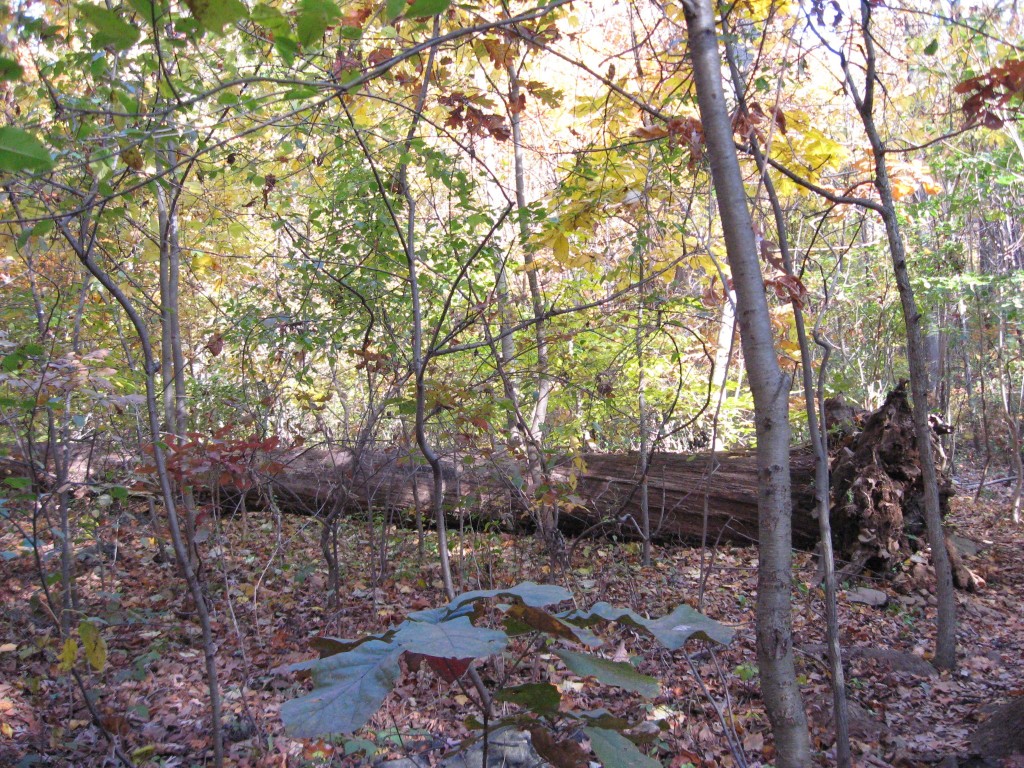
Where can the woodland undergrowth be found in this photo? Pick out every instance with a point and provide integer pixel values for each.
(268, 596)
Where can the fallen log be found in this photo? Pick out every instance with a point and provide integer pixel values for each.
(592, 491)
(877, 509)
(877, 500)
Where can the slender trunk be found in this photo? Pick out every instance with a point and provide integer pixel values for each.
(1011, 416)
(166, 313)
(419, 360)
(642, 411)
(83, 249)
(539, 417)
(986, 432)
(770, 389)
(945, 642)
(645, 439)
(819, 442)
(172, 360)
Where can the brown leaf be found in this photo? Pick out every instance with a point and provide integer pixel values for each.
(379, 55)
(542, 621)
(215, 344)
(564, 753)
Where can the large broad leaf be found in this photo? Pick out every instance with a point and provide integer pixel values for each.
(541, 621)
(444, 613)
(448, 670)
(618, 673)
(110, 28)
(331, 646)
(393, 9)
(671, 630)
(616, 751)
(348, 688)
(674, 629)
(271, 19)
(214, 15)
(455, 639)
(21, 151)
(537, 595)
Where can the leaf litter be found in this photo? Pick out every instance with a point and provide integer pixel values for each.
(268, 598)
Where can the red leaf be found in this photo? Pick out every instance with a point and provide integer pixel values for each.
(448, 670)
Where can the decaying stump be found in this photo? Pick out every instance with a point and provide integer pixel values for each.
(877, 491)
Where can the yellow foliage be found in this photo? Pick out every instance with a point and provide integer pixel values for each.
(94, 644)
(68, 655)
(759, 10)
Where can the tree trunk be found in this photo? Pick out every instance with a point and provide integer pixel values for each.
(770, 389)
(945, 642)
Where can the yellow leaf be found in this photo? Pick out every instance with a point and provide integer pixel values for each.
(95, 645)
(203, 261)
(6, 730)
(560, 248)
(68, 655)
(143, 753)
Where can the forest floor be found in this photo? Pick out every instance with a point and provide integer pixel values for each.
(269, 596)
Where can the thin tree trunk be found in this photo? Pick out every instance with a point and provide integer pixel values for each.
(945, 642)
(172, 359)
(83, 249)
(1011, 415)
(770, 389)
(419, 360)
(539, 417)
(819, 443)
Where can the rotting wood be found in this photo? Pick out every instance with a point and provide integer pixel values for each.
(877, 506)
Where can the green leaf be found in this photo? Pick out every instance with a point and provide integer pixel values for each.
(349, 689)
(214, 15)
(21, 151)
(616, 751)
(118, 492)
(286, 48)
(671, 630)
(271, 19)
(18, 483)
(932, 47)
(12, 362)
(674, 629)
(421, 9)
(528, 592)
(542, 698)
(110, 28)
(10, 69)
(454, 639)
(144, 8)
(393, 9)
(94, 644)
(314, 18)
(618, 673)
